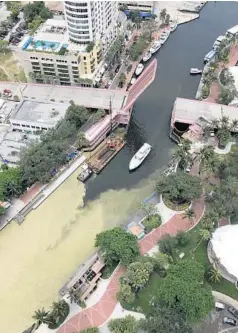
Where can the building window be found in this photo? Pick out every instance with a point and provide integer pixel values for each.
(73, 62)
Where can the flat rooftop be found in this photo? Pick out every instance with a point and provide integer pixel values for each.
(50, 37)
(40, 112)
(11, 146)
(88, 97)
(189, 111)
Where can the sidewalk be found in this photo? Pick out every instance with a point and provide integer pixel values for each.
(225, 299)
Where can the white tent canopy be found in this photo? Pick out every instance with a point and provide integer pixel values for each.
(225, 246)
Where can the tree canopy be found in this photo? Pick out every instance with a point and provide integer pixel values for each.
(123, 325)
(14, 7)
(165, 319)
(118, 245)
(138, 48)
(138, 274)
(179, 187)
(76, 114)
(11, 183)
(183, 288)
(36, 9)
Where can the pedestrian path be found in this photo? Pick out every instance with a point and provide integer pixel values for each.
(98, 314)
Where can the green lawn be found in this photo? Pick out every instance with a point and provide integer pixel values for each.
(200, 254)
(144, 298)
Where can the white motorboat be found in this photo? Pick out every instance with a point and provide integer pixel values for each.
(155, 47)
(139, 69)
(173, 27)
(133, 80)
(85, 173)
(139, 157)
(194, 71)
(147, 56)
(164, 36)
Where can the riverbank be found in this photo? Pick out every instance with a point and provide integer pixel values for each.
(54, 239)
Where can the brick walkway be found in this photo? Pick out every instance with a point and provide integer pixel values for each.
(101, 312)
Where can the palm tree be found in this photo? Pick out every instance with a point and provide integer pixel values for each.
(58, 310)
(214, 275)
(234, 125)
(223, 135)
(207, 223)
(206, 132)
(215, 123)
(206, 156)
(204, 235)
(148, 209)
(40, 316)
(81, 140)
(74, 295)
(224, 121)
(189, 214)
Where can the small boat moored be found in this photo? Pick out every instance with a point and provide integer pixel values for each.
(139, 69)
(147, 56)
(133, 80)
(164, 36)
(173, 27)
(195, 71)
(139, 157)
(155, 47)
(85, 173)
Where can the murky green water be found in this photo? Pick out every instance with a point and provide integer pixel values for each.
(38, 256)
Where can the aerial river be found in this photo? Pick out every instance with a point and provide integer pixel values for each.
(38, 256)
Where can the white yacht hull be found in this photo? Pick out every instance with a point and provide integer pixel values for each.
(140, 156)
(162, 41)
(139, 70)
(154, 50)
(147, 57)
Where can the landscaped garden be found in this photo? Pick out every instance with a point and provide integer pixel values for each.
(179, 279)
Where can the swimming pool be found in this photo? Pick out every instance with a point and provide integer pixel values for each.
(45, 45)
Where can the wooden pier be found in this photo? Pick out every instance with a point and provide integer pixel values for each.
(107, 151)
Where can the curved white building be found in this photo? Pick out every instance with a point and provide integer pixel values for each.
(224, 244)
(88, 21)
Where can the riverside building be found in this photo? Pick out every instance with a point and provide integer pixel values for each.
(70, 51)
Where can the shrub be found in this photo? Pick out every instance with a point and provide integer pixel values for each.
(90, 47)
(182, 238)
(152, 222)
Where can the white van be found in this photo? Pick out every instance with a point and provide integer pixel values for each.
(209, 56)
(219, 306)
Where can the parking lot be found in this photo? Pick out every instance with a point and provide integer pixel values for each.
(214, 324)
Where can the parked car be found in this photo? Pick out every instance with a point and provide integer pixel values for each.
(117, 68)
(229, 321)
(219, 306)
(233, 311)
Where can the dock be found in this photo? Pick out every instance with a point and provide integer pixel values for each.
(108, 150)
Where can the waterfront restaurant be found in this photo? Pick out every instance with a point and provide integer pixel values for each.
(187, 113)
(86, 277)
